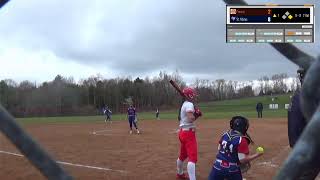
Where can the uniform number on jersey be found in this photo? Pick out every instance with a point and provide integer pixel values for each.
(226, 148)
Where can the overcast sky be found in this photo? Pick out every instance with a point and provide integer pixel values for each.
(117, 38)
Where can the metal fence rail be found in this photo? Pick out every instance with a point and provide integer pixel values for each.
(305, 155)
(33, 151)
(3, 2)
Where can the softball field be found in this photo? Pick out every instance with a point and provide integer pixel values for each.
(99, 151)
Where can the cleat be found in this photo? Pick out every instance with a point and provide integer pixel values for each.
(182, 176)
(138, 132)
(130, 132)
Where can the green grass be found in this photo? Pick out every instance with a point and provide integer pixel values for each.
(245, 107)
(86, 119)
(211, 110)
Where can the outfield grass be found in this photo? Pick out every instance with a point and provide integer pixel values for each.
(245, 107)
(211, 110)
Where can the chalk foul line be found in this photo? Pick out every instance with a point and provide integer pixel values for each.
(71, 164)
(268, 163)
(104, 130)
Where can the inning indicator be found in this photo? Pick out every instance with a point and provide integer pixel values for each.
(270, 24)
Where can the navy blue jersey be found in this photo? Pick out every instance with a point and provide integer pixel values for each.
(131, 111)
(259, 106)
(296, 120)
(229, 146)
(106, 111)
(109, 112)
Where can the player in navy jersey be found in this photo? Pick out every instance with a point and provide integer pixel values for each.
(108, 113)
(132, 117)
(233, 151)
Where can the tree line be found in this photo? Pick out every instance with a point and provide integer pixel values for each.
(63, 96)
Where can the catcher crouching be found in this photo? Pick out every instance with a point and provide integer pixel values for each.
(233, 152)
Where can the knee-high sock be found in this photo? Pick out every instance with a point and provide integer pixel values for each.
(130, 123)
(179, 166)
(191, 170)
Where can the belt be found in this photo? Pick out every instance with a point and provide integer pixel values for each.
(227, 163)
(188, 129)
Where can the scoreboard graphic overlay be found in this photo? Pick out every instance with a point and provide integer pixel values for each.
(270, 24)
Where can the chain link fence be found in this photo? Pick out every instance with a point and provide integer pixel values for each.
(305, 155)
(37, 156)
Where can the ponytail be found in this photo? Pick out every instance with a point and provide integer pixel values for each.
(182, 101)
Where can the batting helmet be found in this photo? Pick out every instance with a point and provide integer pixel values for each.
(301, 72)
(240, 124)
(189, 93)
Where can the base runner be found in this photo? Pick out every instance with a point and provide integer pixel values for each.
(187, 135)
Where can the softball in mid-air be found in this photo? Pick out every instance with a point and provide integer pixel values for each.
(260, 149)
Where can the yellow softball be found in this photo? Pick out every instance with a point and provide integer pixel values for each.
(260, 149)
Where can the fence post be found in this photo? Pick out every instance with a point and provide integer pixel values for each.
(33, 151)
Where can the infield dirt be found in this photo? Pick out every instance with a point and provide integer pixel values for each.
(149, 155)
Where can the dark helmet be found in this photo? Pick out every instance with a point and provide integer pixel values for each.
(240, 124)
(301, 73)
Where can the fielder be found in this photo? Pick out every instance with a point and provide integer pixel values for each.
(187, 136)
(108, 113)
(233, 151)
(296, 124)
(132, 117)
(157, 114)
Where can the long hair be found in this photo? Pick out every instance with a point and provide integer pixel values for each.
(243, 127)
(182, 101)
(247, 136)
